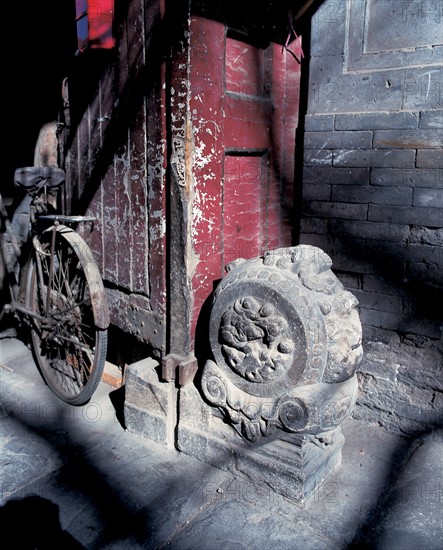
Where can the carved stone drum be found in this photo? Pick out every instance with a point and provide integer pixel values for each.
(286, 339)
(286, 342)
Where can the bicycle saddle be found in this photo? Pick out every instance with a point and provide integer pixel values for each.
(35, 177)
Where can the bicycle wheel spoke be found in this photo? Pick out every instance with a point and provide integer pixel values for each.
(66, 341)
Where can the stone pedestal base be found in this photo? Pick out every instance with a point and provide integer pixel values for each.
(291, 465)
(150, 408)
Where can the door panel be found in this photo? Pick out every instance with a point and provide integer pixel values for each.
(242, 207)
(245, 92)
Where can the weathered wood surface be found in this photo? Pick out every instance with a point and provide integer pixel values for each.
(186, 157)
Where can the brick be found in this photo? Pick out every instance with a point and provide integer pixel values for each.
(425, 253)
(350, 282)
(376, 334)
(422, 327)
(430, 159)
(317, 157)
(333, 175)
(429, 217)
(195, 414)
(419, 307)
(391, 195)
(387, 257)
(366, 413)
(376, 121)
(377, 392)
(338, 140)
(374, 158)
(389, 248)
(332, 91)
(382, 319)
(431, 119)
(380, 302)
(402, 252)
(321, 241)
(411, 139)
(329, 15)
(407, 427)
(371, 194)
(316, 191)
(147, 424)
(432, 198)
(370, 230)
(423, 235)
(377, 366)
(335, 210)
(345, 244)
(344, 262)
(420, 271)
(416, 407)
(381, 285)
(423, 89)
(319, 123)
(144, 388)
(418, 177)
(428, 376)
(313, 225)
(417, 414)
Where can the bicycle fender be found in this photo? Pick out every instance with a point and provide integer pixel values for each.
(89, 265)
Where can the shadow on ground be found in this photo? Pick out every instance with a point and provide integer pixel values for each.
(33, 523)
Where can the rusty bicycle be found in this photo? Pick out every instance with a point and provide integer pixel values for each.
(53, 286)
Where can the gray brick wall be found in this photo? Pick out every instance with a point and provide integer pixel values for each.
(373, 200)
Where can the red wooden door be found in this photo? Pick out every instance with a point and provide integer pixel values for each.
(244, 101)
(187, 161)
(115, 163)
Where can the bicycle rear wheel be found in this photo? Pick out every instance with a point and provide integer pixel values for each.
(69, 339)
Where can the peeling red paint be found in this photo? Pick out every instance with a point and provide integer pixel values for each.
(201, 172)
(244, 111)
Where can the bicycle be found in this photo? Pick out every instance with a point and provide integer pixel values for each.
(55, 287)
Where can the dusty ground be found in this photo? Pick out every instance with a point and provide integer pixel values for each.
(94, 485)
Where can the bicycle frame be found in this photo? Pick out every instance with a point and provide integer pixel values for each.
(16, 270)
(18, 288)
(55, 286)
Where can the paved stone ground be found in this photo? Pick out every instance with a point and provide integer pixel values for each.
(75, 477)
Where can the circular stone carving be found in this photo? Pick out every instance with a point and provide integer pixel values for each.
(284, 320)
(293, 415)
(257, 335)
(255, 340)
(335, 413)
(215, 390)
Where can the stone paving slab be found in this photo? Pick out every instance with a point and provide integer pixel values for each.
(117, 490)
(333, 516)
(254, 528)
(11, 348)
(24, 457)
(409, 512)
(109, 484)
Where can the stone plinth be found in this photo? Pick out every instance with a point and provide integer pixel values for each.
(291, 465)
(150, 405)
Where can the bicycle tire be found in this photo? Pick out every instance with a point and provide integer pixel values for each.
(70, 349)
